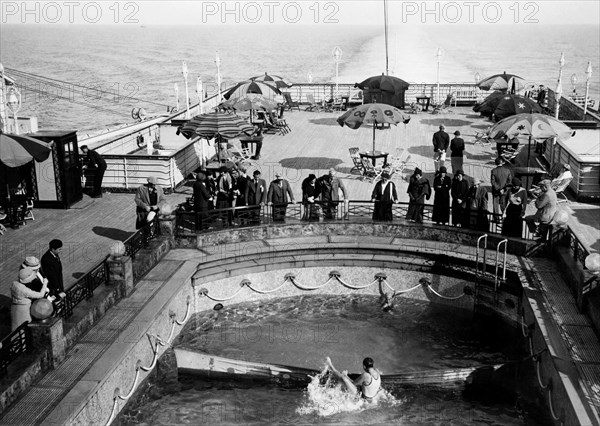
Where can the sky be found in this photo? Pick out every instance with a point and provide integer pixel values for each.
(311, 12)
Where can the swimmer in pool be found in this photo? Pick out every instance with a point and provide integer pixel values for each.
(366, 385)
(387, 302)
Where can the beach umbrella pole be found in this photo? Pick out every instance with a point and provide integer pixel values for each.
(374, 127)
(528, 150)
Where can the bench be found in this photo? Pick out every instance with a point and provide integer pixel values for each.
(465, 97)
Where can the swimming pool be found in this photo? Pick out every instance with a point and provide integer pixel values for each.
(302, 331)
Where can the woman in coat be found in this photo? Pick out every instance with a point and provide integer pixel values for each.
(310, 192)
(384, 196)
(419, 189)
(21, 297)
(459, 191)
(477, 204)
(441, 201)
(515, 210)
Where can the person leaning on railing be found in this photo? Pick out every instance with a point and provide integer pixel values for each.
(21, 297)
(147, 199)
(547, 205)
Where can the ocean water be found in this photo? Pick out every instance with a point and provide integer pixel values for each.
(144, 62)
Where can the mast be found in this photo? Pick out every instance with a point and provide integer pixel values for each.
(385, 20)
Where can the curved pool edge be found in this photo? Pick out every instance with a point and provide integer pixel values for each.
(116, 367)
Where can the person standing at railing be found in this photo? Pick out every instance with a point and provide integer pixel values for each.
(256, 195)
(21, 297)
(441, 141)
(419, 189)
(147, 199)
(384, 196)
(477, 205)
(457, 148)
(515, 210)
(441, 201)
(52, 267)
(278, 194)
(202, 198)
(310, 193)
(547, 205)
(459, 191)
(501, 177)
(330, 186)
(97, 162)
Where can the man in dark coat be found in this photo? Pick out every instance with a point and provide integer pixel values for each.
(97, 162)
(256, 195)
(202, 198)
(147, 199)
(459, 192)
(457, 147)
(330, 186)
(441, 201)
(52, 267)
(419, 189)
(279, 190)
(441, 141)
(501, 177)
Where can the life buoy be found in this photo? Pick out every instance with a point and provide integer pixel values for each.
(140, 141)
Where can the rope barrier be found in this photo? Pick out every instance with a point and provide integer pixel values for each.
(537, 361)
(401, 291)
(135, 381)
(114, 407)
(552, 413)
(216, 299)
(442, 296)
(345, 284)
(292, 279)
(187, 312)
(249, 284)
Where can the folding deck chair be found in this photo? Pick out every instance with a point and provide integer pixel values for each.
(289, 103)
(356, 160)
(443, 107)
(312, 105)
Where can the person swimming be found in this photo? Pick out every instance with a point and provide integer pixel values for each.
(387, 302)
(367, 385)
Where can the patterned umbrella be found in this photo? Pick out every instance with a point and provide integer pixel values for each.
(507, 105)
(536, 126)
(374, 114)
(484, 107)
(273, 80)
(384, 83)
(249, 102)
(502, 82)
(16, 150)
(216, 125)
(246, 87)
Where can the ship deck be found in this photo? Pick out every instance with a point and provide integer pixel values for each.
(315, 144)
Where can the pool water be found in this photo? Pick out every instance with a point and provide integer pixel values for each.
(302, 331)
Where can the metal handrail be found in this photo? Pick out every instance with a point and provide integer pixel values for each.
(483, 267)
(505, 242)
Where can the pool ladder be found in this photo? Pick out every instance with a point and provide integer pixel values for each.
(482, 271)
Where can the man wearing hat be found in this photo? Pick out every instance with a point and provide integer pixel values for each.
(419, 189)
(546, 205)
(515, 210)
(53, 269)
(279, 190)
(501, 177)
(21, 297)
(201, 200)
(441, 140)
(477, 206)
(384, 196)
(457, 147)
(459, 191)
(256, 195)
(330, 186)
(99, 166)
(147, 199)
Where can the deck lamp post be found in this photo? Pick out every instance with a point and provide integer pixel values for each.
(309, 77)
(588, 74)
(477, 80)
(439, 53)
(3, 123)
(337, 57)
(557, 95)
(13, 102)
(176, 87)
(218, 64)
(200, 93)
(184, 71)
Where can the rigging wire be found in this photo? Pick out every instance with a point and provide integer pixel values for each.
(385, 18)
(56, 83)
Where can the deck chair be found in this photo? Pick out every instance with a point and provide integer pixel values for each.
(396, 166)
(356, 160)
(280, 121)
(369, 171)
(289, 103)
(339, 104)
(443, 107)
(240, 154)
(415, 108)
(312, 105)
(559, 186)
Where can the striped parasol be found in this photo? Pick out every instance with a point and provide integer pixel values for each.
(216, 124)
(273, 80)
(246, 87)
(16, 150)
(502, 81)
(249, 102)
